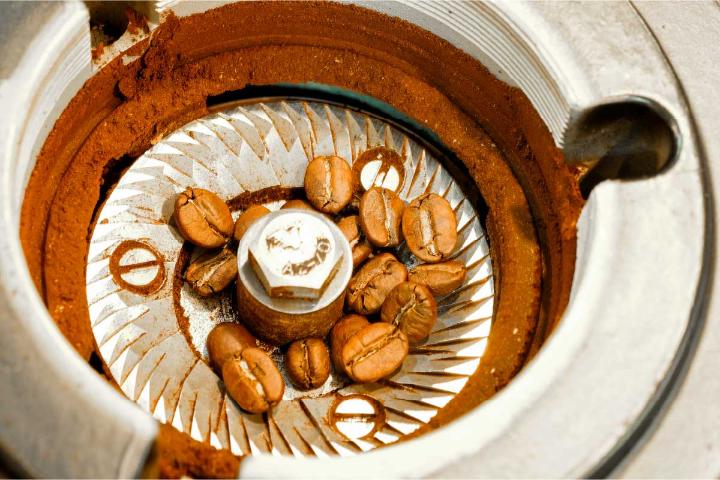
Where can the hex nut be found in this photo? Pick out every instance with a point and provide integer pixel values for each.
(280, 320)
(295, 256)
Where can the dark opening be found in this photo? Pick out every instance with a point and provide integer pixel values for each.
(628, 140)
(108, 21)
(96, 363)
(111, 175)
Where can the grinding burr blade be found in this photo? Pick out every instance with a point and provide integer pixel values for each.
(151, 327)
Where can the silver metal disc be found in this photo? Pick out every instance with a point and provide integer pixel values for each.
(151, 329)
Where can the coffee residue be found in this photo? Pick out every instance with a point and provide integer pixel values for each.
(118, 270)
(532, 199)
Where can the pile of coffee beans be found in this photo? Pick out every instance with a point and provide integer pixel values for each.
(251, 377)
(388, 308)
(204, 220)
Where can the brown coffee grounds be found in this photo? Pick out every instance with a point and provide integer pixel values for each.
(136, 22)
(532, 199)
(178, 455)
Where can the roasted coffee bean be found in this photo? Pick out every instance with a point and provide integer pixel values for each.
(345, 328)
(228, 340)
(361, 248)
(253, 380)
(369, 287)
(247, 218)
(441, 278)
(308, 363)
(298, 203)
(411, 307)
(380, 215)
(328, 183)
(374, 352)
(212, 272)
(203, 218)
(430, 227)
(303, 205)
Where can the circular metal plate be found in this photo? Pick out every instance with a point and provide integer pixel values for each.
(151, 329)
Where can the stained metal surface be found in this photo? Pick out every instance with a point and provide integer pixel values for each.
(55, 408)
(151, 352)
(93, 435)
(328, 277)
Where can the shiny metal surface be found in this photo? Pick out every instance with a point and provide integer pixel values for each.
(566, 57)
(55, 408)
(150, 349)
(298, 237)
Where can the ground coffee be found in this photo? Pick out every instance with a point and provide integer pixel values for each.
(532, 199)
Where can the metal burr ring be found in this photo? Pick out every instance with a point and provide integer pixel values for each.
(152, 338)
